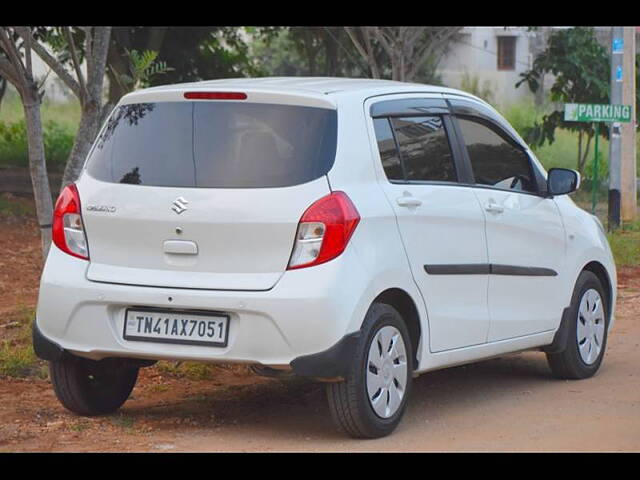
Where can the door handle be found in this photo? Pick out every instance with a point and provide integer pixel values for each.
(408, 201)
(493, 207)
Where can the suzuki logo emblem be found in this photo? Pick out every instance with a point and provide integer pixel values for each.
(179, 205)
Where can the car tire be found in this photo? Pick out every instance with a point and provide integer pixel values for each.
(89, 387)
(371, 400)
(587, 331)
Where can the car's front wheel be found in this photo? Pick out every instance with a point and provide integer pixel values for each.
(371, 400)
(89, 387)
(587, 331)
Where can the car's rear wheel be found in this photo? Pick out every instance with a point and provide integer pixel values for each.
(587, 331)
(371, 400)
(89, 387)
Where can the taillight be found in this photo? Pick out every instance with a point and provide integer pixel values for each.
(68, 231)
(324, 231)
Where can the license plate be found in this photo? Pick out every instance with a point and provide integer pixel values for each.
(185, 328)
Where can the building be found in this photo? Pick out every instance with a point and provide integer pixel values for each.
(488, 61)
(491, 59)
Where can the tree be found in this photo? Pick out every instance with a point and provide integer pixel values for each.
(581, 67)
(407, 50)
(326, 51)
(305, 51)
(65, 42)
(16, 67)
(192, 53)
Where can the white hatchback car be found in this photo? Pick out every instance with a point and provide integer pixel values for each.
(356, 231)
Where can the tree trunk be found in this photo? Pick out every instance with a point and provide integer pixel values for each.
(583, 159)
(87, 131)
(38, 169)
(91, 103)
(3, 89)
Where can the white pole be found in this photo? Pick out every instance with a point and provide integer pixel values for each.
(629, 174)
(615, 129)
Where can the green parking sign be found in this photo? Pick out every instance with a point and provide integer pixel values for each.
(596, 113)
(593, 112)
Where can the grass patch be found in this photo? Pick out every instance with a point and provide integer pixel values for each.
(625, 245)
(123, 421)
(17, 358)
(79, 426)
(159, 388)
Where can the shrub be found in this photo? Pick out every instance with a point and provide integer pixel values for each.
(603, 171)
(522, 116)
(13, 143)
(471, 84)
(58, 141)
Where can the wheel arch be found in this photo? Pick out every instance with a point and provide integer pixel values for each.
(402, 301)
(599, 270)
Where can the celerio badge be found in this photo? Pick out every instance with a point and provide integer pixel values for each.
(179, 205)
(101, 208)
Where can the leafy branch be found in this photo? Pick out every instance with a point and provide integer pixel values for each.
(142, 67)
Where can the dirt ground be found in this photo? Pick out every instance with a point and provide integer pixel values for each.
(507, 404)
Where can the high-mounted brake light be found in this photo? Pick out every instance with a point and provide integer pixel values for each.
(215, 96)
(324, 231)
(68, 230)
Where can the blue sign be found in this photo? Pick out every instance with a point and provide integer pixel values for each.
(617, 45)
(619, 73)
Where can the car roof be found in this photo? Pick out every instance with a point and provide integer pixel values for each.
(314, 86)
(321, 92)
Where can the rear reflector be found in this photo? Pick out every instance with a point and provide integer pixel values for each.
(215, 96)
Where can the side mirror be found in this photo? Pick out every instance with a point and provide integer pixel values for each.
(561, 181)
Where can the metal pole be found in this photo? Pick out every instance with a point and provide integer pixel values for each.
(594, 183)
(617, 74)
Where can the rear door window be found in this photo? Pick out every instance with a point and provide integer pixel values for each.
(415, 149)
(424, 148)
(221, 145)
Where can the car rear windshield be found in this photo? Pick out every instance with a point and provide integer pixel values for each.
(217, 145)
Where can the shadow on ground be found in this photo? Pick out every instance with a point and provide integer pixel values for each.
(278, 405)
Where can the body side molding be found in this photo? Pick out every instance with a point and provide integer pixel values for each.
(488, 269)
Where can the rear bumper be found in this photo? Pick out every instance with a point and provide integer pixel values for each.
(43, 347)
(331, 363)
(308, 311)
